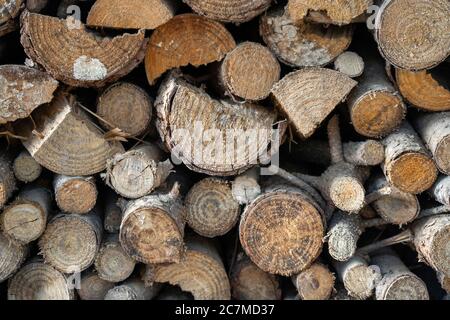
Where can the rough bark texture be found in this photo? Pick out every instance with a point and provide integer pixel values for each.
(245, 187)
(12, 255)
(75, 194)
(7, 180)
(364, 153)
(132, 289)
(26, 169)
(113, 213)
(349, 63)
(36, 5)
(343, 234)
(314, 283)
(92, 287)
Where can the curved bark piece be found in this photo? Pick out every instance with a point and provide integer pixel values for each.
(137, 14)
(23, 89)
(7, 180)
(236, 11)
(413, 35)
(314, 283)
(77, 56)
(350, 63)
(26, 169)
(12, 255)
(200, 130)
(75, 194)
(92, 287)
(187, 39)
(133, 289)
(303, 44)
(245, 187)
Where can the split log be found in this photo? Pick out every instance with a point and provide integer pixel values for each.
(398, 282)
(237, 11)
(282, 230)
(434, 128)
(211, 209)
(113, 213)
(12, 255)
(125, 106)
(408, 165)
(152, 228)
(349, 63)
(314, 283)
(299, 95)
(249, 71)
(133, 289)
(112, 263)
(200, 272)
(176, 44)
(23, 89)
(76, 56)
(36, 5)
(71, 241)
(7, 180)
(26, 169)
(248, 282)
(359, 279)
(219, 138)
(25, 219)
(375, 106)
(141, 14)
(138, 172)
(92, 287)
(303, 44)
(40, 281)
(63, 139)
(421, 44)
(245, 187)
(75, 194)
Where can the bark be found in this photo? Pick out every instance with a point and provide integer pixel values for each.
(343, 235)
(26, 169)
(36, 5)
(12, 255)
(444, 281)
(92, 287)
(349, 63)
(7, 180)
(440, 191)
(113, 213)
(364, 153)
(314, 283)
(76, 195)
(133, 289)
(245, 187)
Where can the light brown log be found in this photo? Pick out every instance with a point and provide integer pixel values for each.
(12, 255)
(63, 139)
(76, 56)
(133, 289)
(375, 106)
(314, 283)
(39, 281)
(303, 44)
(200, 272)
(219, 138)
(75, 194)
(7, 180)
(245, 187)
(248, 282)
(112, 263)
(92, 287)
(176, 44)
(211, 209)
(137, 14)
(421, 44)
(71, 241)
(25, 219)
(349, 63)
(299, 95)
(113, 213)
(152, 228)
(26, 169)
(23, 89)
(434, 129)
(125, 106)
(138, 172)
(236, 11)
(408, 165)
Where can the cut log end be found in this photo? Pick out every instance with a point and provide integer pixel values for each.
(76, 195)
(349, 63)
(26, 169)
(12, 255)
(366, 153)
(245, 187)
(315, 283)
(360, 281)
(405, 287)
(92, 287)
(347, 193)
(343, 235)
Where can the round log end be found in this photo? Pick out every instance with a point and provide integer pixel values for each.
(12, 255)
(76, 195)
(402, 287)
(349, 63)
(26, 169)
(315, 283)
(361, 280)
(347, 193)
(112, 262)
(92, 287)
(398, 207)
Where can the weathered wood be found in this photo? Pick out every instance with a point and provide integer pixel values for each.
(440, 191)
(12, 255)
(444, 281)
(364, 153)
(113, 213)
(7, 180)
(75, 194)
(92, 287)
(245, 187)
(26, 169)
(36, 5)
(133, 289)
(314, 283)
(9, 9)
(349, 63)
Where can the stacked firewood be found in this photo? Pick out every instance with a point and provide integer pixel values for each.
(208, 149)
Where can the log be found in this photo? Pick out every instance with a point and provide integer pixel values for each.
(176, 44)
(40, 281)
(421, 44)
(282, 230)
(76, 195)
(398, 282)
(359, 279)
(137, 172)
(7, 180)
(314, 283)
(237, 12)
(23, 89)
(36, 6)
(25, 219)
(92, 287)
(343, 235)
(408, 165)
(299, 95)
(434, 129)
(112, 263)
(349, 63)
(376, 108)
(132, 289)
(302, 44)
(440, 191)
(71, 242)
(245, 187)
(76, 56)
(211, 209)
(249, 72)
(141, 14)
(63, 139)
(12, 255)
(9, 9)
(187, 123)
(200, 272)
(152, 228)
(26, 169)
(125, 106)
(248, 282)
(113, 213)
(364, 153)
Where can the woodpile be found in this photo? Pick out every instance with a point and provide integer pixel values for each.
(217, 150)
